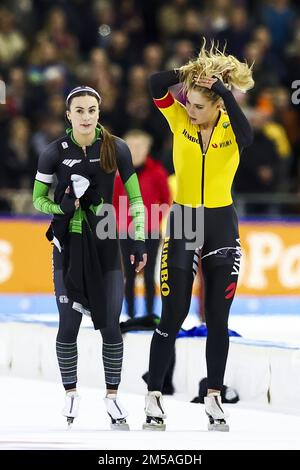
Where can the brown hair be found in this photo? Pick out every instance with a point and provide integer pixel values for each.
(108, 160)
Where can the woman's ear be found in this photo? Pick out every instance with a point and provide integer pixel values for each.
(68, 117)
(219, 105)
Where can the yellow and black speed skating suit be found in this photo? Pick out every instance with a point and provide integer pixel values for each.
(203, 182)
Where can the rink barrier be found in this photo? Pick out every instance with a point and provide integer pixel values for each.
(40, 307)
(268, 266)
(262, 372)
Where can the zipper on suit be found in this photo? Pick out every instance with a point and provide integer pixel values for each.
(202, 179)
(203, 161)
(85, 160)
(203, 157)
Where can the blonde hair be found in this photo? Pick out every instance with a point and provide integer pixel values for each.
(213, 62)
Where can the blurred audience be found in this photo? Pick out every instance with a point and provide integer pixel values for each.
(47, 48)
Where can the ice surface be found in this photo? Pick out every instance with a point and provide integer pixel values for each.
(31, 419)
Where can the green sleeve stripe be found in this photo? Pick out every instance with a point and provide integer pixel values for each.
(138, 198)
(41, 201)
(136, 204)
(133, 188)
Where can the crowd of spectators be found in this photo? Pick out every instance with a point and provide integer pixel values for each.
(49, 46)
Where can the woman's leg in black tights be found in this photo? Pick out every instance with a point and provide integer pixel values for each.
(220, 285)
(69, 323)
(112, 349)
(175, 308)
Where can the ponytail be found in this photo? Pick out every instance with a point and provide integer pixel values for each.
(108, 160)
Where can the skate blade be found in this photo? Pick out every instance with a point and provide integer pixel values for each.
(154, 427)
(70, 422)
(119, 427)
(222, 427)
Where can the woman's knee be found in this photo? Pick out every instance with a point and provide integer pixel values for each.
(67, 334)
(217, 328)
(111, 334)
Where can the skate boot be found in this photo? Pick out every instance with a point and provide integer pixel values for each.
(70, 410)
(116, 412)
(215, 413)
(155, 414)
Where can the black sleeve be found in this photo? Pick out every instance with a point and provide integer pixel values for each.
(124, 160)
(239, 122)
(47, 163)
(161, 81)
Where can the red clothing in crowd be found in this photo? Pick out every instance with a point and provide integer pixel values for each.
(153, 180)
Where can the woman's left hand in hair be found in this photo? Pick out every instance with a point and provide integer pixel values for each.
(205, 82)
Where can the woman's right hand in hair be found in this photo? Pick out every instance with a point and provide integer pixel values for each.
(213, 84)
(206, 82)
(69, 203)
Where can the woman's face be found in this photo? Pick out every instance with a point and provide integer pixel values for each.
(84, 114)
(199, 108)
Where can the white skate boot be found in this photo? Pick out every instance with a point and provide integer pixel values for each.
(215, 413)
(71, 407)
(154, 410)
(116, 412)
